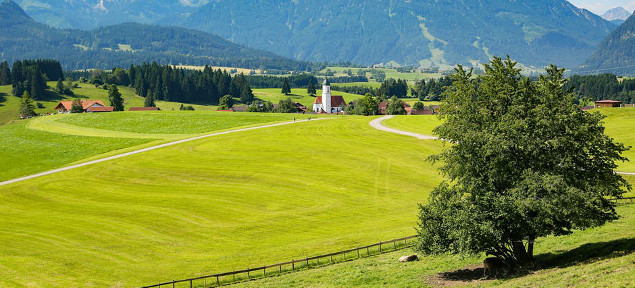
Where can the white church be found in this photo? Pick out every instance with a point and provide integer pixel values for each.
(327, 103)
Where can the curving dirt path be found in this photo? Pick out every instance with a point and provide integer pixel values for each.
(148, 149)
(376, 123)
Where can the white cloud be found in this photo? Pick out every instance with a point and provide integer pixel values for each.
(599, 7)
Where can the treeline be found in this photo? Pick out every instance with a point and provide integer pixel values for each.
(602, 87)
(430, 90)
(30, 76)
(164, 82)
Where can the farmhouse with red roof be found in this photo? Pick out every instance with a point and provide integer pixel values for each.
(87, 106)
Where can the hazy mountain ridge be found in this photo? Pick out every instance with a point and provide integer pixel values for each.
(124, 44)
(616, 53)
(419, 33)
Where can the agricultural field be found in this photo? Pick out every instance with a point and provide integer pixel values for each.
(298, 95)
(10, 104)
(598, 257)
(195, 208)
(47, 142)
(619, 124)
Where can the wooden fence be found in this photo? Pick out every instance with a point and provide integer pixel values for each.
(623, 200)
(232, 277)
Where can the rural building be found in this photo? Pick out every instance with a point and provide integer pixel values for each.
(144, 109)
(65, 106)
(100, 109)
(607, 103)
(383, 105)
(327, 103)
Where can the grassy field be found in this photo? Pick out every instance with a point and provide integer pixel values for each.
(47, 142)
(599, 257)
(299, 95)
(619, 125)
(196, 208)
(10, 104)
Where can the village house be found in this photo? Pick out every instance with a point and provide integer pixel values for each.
(327, 103)
(87, 106)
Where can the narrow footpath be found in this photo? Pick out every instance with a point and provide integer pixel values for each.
(376, 123)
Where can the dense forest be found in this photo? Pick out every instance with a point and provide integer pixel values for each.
(602, 87)
(30, 76)
(431, 89)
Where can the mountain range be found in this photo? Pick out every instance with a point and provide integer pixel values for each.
(617, 15)
(123, 44)
(427, 33)
(616, 53)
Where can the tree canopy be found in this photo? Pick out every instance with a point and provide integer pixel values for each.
(523, 161)
(116, 101)
(286, 88)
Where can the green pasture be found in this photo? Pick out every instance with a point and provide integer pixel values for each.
(599, 257)
(10, 104)
(196, 208)
(352, 84)
(48, 142)
(619, 123)
(298, 95)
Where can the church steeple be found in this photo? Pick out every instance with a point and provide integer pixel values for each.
(326, 95)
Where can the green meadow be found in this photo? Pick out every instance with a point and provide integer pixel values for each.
(241, 200)
(598, 257)
(196, 208)
(10, 104)
(390, 73)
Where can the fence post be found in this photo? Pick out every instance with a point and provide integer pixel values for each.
(217, 281)
(379, 246)
(191, 283)
(204, 282)
(280, 268)
(264, 271)
(367, 251)
(292, 265)
(172, 283)
(331, 258)
(357, 252)
(307, 263)
(394, 244)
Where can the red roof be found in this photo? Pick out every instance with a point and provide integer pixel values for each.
(336, 101)
(101, 109)
(67, 105)
(608, 101)
(144, 109)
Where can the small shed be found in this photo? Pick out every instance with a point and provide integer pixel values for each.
(607, 103)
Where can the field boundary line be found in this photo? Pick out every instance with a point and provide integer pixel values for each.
(234, 277)
(376, 123)
(150, 149)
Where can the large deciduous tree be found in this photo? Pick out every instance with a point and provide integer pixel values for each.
(523, 161)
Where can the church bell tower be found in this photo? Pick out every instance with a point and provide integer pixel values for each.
(326, 96)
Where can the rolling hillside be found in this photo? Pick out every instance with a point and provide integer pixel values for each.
(616, 53)
(121, 45)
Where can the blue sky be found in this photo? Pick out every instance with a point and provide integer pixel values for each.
(601, 6)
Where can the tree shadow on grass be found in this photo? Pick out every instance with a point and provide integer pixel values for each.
(586, 253)
(3, 98)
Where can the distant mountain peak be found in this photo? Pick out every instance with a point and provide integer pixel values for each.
(617, 13)
(10, 10)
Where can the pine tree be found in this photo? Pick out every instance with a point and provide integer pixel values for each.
(149, 100)
(246, 94)
(116, 101)
(38, 85)
(311, 88)
(5, 74)
(27, 109)
(59, 87)
(286, 88)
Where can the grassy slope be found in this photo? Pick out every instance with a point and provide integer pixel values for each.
(10, 104)
(619, 125)
(599, 257)
(44, 143)
(196, 208)
(298, 95)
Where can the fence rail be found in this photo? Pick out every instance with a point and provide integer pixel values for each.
(625, 200)
(221, 279)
